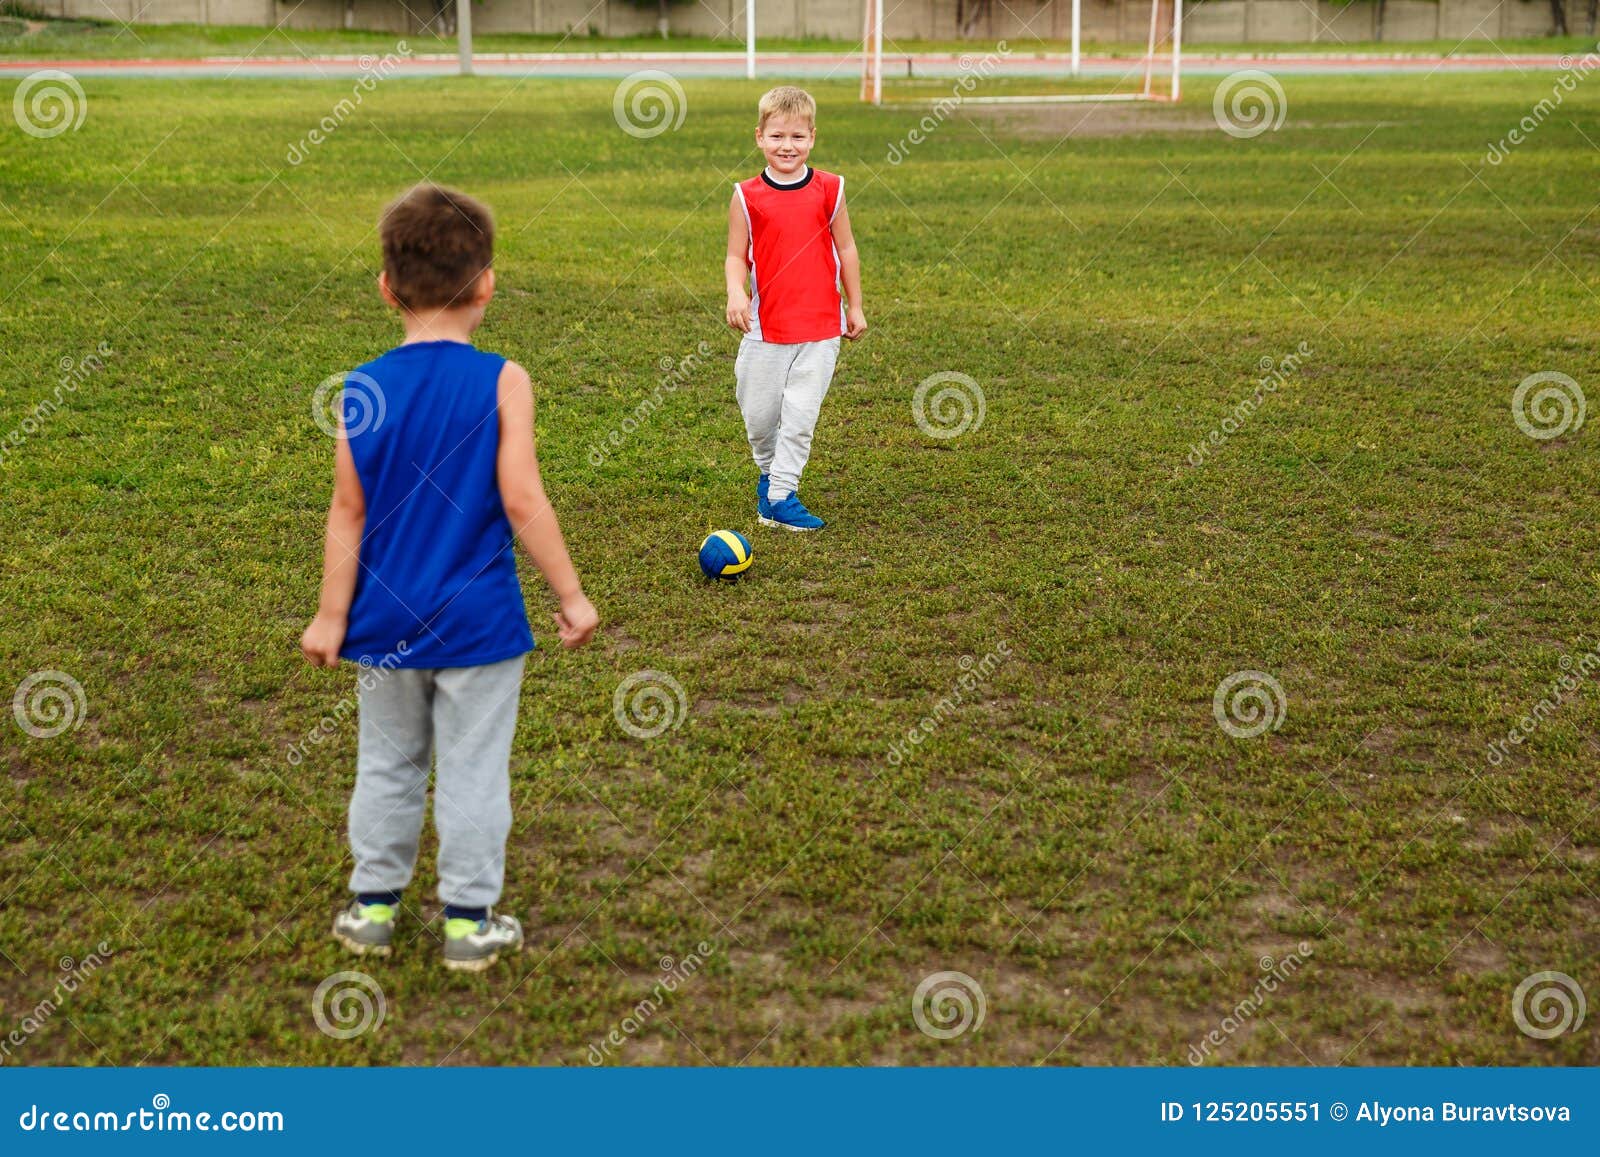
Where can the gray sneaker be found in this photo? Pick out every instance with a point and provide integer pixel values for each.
(473, 945)
(365, 929)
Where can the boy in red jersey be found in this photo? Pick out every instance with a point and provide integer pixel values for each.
(789, 233)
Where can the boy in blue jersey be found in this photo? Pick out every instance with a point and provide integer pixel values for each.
(435, 477)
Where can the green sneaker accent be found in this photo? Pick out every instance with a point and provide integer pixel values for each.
(473, 945)
(365, 929)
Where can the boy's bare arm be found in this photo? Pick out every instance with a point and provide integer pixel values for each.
(533, 520)
(341, 552)
(736, 268)
(844, 241)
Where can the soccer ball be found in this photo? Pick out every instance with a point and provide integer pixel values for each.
(725, 554)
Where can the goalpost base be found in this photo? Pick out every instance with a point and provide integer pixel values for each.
(1057, 98)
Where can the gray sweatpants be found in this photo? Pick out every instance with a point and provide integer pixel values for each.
(780, 392)
(469, 716)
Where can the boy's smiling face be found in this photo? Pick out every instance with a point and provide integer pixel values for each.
(787, 141)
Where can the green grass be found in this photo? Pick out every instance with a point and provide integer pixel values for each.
(87, 39)
(1078, 835)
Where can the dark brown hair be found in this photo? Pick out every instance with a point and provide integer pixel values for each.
(436, 244)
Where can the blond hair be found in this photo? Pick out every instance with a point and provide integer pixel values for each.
(786, 100)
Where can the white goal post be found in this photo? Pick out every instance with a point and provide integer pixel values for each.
(1163, 52)
(750, 39)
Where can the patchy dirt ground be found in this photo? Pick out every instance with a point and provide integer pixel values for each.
(1118, 119)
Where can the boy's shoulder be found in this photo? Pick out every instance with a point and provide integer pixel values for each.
(820, 191)
(815, 176)
(397, 357)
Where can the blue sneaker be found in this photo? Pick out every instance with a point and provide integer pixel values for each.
(791, 514)
(763, 507)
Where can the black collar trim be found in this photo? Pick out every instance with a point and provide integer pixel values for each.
(800, 184)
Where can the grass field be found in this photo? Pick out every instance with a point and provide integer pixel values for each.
(1078, 834)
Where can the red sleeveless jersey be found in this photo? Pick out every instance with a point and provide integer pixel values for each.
(793, 263)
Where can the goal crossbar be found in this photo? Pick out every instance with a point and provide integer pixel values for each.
(1157, 46)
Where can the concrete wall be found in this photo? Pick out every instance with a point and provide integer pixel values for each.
(257, 12)
(1212, 21)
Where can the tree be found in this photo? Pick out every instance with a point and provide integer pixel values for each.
(969, 12)
(663, 22)
(453, 18)
(442, 21)
(1558, 12)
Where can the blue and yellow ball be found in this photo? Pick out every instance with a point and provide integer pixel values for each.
(725, 554)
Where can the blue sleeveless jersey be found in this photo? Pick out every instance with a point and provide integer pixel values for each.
(437, 585)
